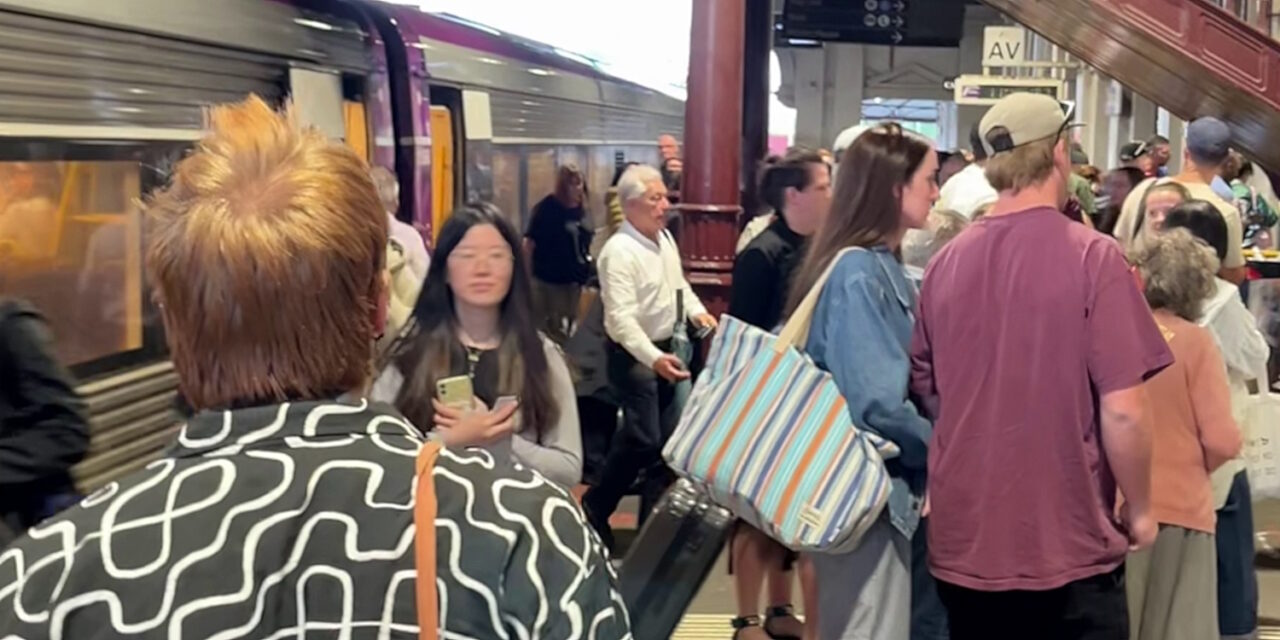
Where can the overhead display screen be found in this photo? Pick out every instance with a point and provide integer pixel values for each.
(907, 23)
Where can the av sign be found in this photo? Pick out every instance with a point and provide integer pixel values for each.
(1004, 46)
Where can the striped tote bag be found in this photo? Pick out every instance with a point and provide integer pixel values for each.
(767, 434)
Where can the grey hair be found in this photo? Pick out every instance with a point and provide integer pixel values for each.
(920, 245)
(1177, 271)
(634, 182)
(388, 188)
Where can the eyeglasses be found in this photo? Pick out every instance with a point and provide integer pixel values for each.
(474, 258)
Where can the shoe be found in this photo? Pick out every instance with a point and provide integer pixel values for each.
(775, 613)
(743, 623)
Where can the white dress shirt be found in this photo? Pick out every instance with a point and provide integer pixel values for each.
(1245, 353)
(966, 192)
(638, 284)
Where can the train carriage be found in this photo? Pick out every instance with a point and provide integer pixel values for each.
(98, 100)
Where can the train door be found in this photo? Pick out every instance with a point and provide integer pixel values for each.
(334, 104)
(356, 127)
(442, 168)
(451, 157)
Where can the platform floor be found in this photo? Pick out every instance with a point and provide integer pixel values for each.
(709, 615)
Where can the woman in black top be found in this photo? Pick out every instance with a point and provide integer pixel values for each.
(798, 187)
(558, 247)
(474, 318)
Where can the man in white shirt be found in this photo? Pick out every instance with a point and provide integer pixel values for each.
(968, 191)
(640, 279)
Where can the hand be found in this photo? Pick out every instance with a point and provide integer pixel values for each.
(670, 368)
(924, 510)
(1142, 527)
(459, 428)
(706, 320)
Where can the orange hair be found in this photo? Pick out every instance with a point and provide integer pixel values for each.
(266, 253)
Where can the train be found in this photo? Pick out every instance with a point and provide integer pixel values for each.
(99, 100)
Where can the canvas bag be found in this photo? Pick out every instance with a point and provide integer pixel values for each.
(424, 542)
(767, 434)
(1261, 430)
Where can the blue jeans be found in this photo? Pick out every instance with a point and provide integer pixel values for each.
(928, 615)
(1237, 580)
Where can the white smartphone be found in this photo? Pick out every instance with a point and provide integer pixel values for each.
(506, 401)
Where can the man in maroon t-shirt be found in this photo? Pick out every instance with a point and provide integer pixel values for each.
(1031, 345)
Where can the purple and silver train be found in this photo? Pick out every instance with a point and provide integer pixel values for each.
(97, 100)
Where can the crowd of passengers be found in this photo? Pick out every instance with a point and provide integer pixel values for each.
(1065, 402)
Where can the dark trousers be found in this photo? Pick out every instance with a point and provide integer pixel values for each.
(1237, 580)
(1093, 608)
(599, 421)
(649, 417)
(928, 615)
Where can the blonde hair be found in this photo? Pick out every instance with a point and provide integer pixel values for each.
(566, 176)
(388, 188)
(266, 253)
(1022, 167)
(1177, 271)
(920, 245)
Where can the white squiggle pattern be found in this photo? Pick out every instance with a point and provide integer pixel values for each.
(296, 520)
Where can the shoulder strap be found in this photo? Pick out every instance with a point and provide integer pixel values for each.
(424, 542)
(795, 333)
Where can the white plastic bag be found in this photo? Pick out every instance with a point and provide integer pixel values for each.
(1261, 430)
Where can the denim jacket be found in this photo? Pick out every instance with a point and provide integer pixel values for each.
(861, 333)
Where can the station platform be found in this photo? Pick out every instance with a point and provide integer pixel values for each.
(709, 615)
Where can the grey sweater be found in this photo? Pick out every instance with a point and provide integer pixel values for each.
(559, 457)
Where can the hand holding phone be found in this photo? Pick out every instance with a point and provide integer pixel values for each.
(475, 425)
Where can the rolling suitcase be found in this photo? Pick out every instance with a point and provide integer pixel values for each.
(674, 552)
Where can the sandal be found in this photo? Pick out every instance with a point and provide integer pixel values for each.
(774, 613)
(744, 622)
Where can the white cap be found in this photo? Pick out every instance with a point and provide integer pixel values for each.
(846, 138)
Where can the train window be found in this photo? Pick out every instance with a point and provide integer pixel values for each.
(71, 243)
(540, 180)
(506, 181)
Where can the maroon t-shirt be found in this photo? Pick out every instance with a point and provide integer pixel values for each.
(1025, 320)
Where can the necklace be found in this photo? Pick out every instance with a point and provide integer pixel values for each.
(473, 359)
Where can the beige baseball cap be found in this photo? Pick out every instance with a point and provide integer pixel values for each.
(1022, 118)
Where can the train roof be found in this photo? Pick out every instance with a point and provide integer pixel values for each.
(459, 32)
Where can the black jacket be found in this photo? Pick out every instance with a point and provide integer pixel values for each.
(302, 513)
(43, 431)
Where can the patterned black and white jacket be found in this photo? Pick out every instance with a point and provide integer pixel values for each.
(296, 520)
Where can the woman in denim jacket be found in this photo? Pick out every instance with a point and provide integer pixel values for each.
(861, 332)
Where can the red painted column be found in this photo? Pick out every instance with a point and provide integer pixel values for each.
(709, 192)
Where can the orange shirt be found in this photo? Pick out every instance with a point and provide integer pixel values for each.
(1193, 432)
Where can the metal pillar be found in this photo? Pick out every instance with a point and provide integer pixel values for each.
(709, 207)
(755, 100)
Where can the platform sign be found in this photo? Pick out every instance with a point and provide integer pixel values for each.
(1004, 46)
(921, 23)
(986, 90)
